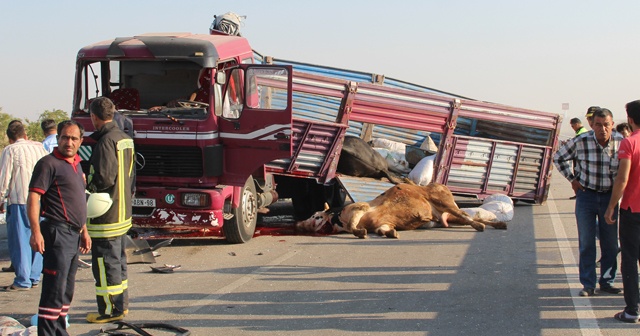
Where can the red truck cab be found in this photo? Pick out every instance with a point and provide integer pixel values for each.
(203, 125)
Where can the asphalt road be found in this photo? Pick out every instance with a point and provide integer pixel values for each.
(522, 281)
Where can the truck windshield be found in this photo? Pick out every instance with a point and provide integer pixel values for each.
(145, 87)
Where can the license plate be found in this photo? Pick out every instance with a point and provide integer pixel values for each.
(144, 202)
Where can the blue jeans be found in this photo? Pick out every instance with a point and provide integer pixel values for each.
(591, 206)
(27, 263)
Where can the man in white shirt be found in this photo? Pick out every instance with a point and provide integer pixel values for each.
(16, 167)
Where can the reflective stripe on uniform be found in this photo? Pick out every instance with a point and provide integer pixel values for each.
(103, 291)
(109, 230)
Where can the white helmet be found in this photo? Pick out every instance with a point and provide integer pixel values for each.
(98, 204)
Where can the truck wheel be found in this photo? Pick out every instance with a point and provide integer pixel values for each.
(242, 226)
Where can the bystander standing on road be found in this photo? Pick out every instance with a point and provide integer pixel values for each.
(627, 187)
(16, 167)
(576, 125)
(624, 129)
(50, 134)
(595, 154)
(9, 268)
(589, 115)
(57, 191)
(112, 171)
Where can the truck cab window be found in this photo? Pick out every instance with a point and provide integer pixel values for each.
(233, 101)
(252, 89)
(265, 84)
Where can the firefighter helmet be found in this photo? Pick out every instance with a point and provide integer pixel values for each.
(98, 204)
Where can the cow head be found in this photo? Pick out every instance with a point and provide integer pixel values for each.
(319, 222)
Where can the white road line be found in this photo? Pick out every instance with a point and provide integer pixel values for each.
(584, 310)
(210, 299)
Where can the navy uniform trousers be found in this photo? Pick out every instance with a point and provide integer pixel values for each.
(60, 263)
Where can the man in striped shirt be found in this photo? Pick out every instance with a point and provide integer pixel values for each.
(16, 167)
(595, 154)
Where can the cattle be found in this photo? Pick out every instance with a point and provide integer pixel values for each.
(359, 159)
(405, 206)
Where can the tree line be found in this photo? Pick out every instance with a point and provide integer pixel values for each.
(34, 132)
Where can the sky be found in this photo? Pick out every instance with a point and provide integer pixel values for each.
(531, 54)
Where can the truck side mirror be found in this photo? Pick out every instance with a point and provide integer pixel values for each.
(221, 78)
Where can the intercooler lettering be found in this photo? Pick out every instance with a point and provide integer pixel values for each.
(171, 128)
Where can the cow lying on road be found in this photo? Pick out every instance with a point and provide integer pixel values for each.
(402, 207)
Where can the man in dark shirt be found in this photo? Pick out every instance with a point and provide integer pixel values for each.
(56, 193)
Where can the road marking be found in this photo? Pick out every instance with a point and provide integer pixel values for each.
(584, 310)
(210, 299)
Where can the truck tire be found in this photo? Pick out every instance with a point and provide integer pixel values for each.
(241, 227)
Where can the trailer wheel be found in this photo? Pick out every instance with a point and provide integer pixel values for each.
(241, 227)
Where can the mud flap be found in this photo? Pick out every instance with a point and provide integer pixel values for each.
(363, 189)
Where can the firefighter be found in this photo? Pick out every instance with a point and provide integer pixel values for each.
(111, 171)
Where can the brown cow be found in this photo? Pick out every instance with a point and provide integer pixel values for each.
(402, 207)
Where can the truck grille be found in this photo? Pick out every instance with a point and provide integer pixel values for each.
(169, 161)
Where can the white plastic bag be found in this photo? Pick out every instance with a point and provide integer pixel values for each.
(391, 145)
(499, 197)
(480, 213)
(502, 210)
(422, 173)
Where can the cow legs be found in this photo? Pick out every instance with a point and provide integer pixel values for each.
(388, 231)
(495, 225)
(353, 225)
(360, 233)
(475, 223)
(444, 219)
(441, 199)
(350, 217)
(461, 218)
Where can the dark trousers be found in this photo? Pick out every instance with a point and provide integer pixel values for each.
(109, 265)
(630, 247)
(60, 263)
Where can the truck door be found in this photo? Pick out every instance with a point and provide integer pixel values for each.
(253, 105)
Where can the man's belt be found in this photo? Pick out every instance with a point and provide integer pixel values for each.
(50, 221)
(597, 191)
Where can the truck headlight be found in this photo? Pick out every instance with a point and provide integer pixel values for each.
(196, 200)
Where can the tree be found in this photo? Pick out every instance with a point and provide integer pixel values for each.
(33, 128)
